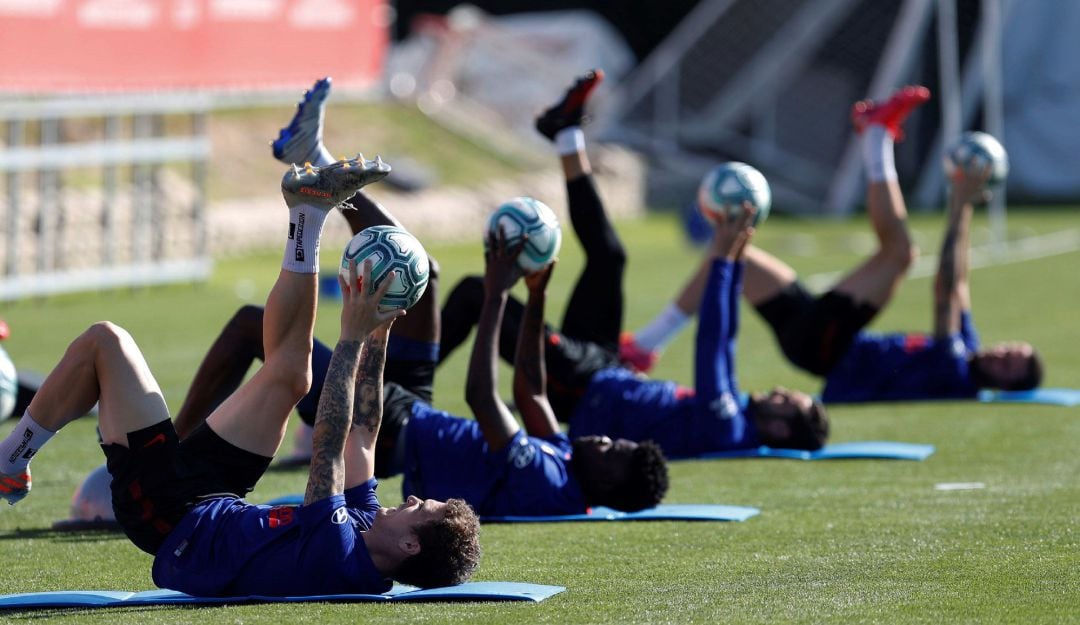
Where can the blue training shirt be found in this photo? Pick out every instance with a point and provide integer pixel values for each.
(684, 422)
(882, 367)
(447, 457)
(228, 547)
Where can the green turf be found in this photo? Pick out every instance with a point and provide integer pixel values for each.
(845, 541)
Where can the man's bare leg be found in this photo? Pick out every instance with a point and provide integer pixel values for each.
(875, 281)
(254, 417)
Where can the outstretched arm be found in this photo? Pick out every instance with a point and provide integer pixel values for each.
(360, 315)
(951, 292)
(367, 410)
(481, 388)
(714, 369)
(530, 374)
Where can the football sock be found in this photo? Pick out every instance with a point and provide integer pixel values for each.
(21, 444)
(662, 329)
(570, 140)
(302, 246)
(877, 153)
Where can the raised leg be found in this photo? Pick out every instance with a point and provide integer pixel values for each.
(875, 281)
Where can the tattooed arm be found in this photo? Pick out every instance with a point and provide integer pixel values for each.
(327, 474)
(367, 410)
(360, 315)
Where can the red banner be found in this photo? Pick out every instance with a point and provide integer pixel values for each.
(109, 45)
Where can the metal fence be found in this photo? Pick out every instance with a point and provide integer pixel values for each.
(103, 192)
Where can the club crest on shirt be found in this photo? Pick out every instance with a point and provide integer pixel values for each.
(340, 516)
(522, 454)
(725, 406)
(915, 343)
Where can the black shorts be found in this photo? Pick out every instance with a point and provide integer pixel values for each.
(157, 478)
(815, 332)
(571, 365)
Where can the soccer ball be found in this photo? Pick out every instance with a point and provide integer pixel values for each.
(390, 249)
(9, 385)
(974, 152)
(92, 499)
(524, 215)
(727, 186)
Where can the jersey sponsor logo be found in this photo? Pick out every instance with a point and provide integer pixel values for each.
(340, 516)
(522, 454)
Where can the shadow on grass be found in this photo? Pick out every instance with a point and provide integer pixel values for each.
(72, 534)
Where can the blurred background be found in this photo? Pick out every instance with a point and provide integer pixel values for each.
(133, 147)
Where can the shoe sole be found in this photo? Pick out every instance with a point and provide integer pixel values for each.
(316, 96)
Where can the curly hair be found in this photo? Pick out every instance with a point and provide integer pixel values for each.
(449, 549)
(646, 480)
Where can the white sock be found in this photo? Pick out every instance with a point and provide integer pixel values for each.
(877, 152)
(21, 444)
(662, 329)
(302, 246)
(570, 140)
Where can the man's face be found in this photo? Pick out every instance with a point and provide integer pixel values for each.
(604, 459)
(411, 513)
(775, 409)
(1005, 363)
(783, 403)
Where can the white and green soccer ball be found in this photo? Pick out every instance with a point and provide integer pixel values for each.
(973, 153)
(9, 385)
(727, 186)
(526, 216)
(390, 249)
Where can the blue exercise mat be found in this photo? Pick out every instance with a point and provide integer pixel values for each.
(663, 512)
(878, 450)
(1050, 396)
(474, 591)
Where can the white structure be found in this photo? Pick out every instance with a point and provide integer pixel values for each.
(770, 82)
(85, 205)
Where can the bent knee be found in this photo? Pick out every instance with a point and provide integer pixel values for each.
(902, 254)
(105, 335)
(292, 376)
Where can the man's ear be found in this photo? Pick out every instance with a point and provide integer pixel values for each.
(409, 544)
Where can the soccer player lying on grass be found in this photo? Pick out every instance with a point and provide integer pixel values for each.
(181, 499)
(490, 463)
(589, 387)
(825, 335)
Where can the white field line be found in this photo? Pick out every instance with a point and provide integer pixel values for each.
(988, 255)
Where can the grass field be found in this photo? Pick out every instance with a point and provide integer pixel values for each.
(842, 541)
